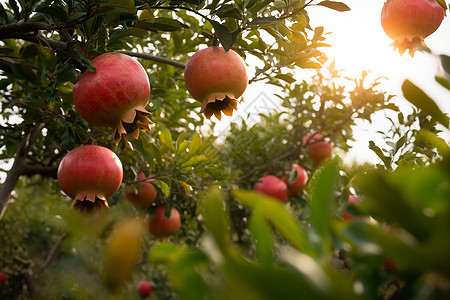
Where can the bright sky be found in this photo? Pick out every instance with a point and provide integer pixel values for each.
(359, 43)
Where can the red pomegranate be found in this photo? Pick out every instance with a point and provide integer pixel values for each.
(319, 148)
(3, 277)
(145, 194)
(409, 22)
(114, 95)
(352, 199)
(272, 186)
(216, 78)
(144, 289)
(90, 175)
(298, 185)
(163, 227)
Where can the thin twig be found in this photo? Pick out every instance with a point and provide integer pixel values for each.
(155, 58)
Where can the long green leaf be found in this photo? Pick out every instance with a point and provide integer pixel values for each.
(421, 100)
(323, 199)
(278, 216)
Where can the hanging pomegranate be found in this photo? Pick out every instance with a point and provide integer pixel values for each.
(145, 194)
(114, 95)
(409, 22)
(216, 78)
(90, 175)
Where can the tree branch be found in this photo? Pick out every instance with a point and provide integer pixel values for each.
(9, 30)
(155, 58)
(18, 168)
(53, 252)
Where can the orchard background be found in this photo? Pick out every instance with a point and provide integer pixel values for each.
(233, 242)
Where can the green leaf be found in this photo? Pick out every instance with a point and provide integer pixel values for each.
(223, 34)
(77, 17)
(67, 73)
(401, 141)
(164, 252)
(263, 20)
(185, 277)
(323, 200)
(339, 6)
(194, 161)
(262, 236)
(166, 139)
(444, 81)
(167, 24)
(212, 207)
(278, 216)
(421, 100)
(436, 141)
(55, 11)
(445, 61)
(286, 77)
(195, 144)
(126, 4)
(380, 154)
(163, 187)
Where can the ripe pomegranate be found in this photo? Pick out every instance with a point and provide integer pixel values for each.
(144, 196)
(216, 78)
(3, 277)
(298, 185)
(144, 289)
(163, 227)
(90, 175)
(319, 148)
(272, 186)
(352, 199)
(114, 95)
(409, 22)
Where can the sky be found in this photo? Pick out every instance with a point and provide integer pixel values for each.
(359, 43)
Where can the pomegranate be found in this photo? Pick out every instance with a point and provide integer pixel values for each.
(144, 288)
(272, 186)
(319, 148)
(163, 227)
(352, 199)
(216, 78)
(114, 95)
(298, 185)
(144, 196)
(90, 175)
(3, 277)
(409, 22)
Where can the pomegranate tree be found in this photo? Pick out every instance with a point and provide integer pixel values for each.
(90, 175)
(163, 227)
(319, 148)
(298, 184)
(272, 186)
(143, 195)
(216, 78)
(114, 95)
(409, 22)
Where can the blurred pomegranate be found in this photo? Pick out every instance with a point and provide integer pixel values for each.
(163, 227)
(272, 186)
